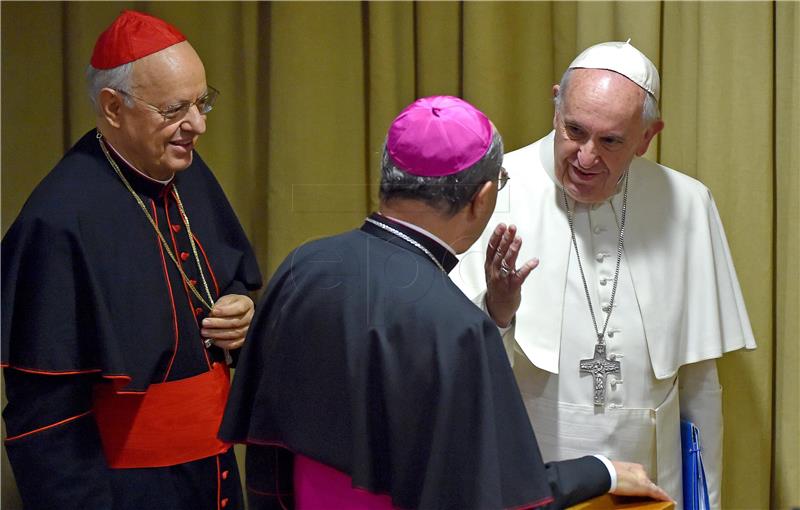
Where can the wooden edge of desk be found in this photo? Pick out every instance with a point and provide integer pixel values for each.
(611, 502)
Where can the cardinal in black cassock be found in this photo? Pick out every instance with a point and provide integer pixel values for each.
(114, 401)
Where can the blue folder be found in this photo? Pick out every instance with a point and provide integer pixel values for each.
(695, 488)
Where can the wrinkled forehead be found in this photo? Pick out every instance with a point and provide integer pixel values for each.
(603, 92)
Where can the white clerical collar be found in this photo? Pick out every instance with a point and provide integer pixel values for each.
(547, 157)
(136, 169)
(421, 231)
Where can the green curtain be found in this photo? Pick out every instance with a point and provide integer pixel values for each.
(308, 91)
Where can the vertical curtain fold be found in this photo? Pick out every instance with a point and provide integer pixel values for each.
(317, 135)
(718, 113)
(309, 88)
(391, 77)
(507, 67)
(786, 150)
(438, 51)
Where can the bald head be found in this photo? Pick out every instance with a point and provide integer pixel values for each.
(171, 69)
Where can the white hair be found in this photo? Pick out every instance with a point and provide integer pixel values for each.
(117, 78)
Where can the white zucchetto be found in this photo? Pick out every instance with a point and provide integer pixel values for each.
(622, 58)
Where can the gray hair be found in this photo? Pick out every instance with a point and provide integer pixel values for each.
(650, 110)
(117, 78)
(449, 193)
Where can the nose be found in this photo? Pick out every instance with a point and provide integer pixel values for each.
(194, 121)
(587, 154)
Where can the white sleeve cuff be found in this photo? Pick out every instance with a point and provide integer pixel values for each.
(611, 471)
(507, 333)
(481, 302)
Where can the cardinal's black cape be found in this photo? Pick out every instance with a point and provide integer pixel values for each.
(88, 295)
(366, 357)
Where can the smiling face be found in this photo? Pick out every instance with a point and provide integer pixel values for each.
(598, 131)
(156, 146)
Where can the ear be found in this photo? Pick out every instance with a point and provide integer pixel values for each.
(652, 131)
(555, 110)
(110, 104)
(484, 199)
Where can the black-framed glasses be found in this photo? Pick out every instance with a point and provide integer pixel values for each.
(204, 104)
(502, 179)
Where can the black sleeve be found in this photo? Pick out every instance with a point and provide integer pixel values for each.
(575, 480)
(236, 287)
(270, 478)
(53, 443)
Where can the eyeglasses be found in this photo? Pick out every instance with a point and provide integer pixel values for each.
(502, 179)
(204, 104)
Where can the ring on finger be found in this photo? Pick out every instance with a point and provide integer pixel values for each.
(504, 271)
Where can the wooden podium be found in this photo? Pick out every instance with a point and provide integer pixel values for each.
(611, 502)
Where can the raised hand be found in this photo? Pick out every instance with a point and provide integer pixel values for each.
(503, 278)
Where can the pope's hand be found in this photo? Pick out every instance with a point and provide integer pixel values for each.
(228, 321)
(632, 480)
(503, 278)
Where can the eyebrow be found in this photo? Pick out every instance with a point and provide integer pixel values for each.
(572, 122)
(181, 102)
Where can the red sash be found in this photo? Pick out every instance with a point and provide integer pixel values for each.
(172, 423)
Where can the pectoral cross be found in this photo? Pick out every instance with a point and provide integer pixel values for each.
(599, 367)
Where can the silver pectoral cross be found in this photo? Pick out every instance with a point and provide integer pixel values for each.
(600, 366)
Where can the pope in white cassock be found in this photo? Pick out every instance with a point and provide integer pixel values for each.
(636, 296)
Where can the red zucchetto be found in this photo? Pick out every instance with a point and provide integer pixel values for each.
(131, 36)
